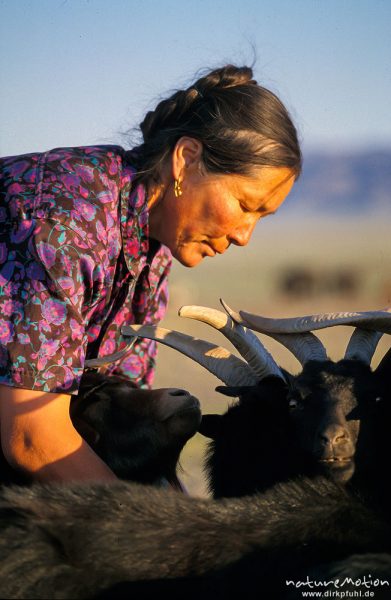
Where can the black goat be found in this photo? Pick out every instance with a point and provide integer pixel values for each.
(138, 433)
(332, 419)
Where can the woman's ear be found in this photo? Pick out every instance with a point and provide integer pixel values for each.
(186, 155)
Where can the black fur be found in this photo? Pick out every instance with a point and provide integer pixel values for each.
(78, 541)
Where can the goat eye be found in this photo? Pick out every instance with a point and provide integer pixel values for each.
(378, 399)
(294, 403)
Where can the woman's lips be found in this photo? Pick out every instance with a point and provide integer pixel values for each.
(213, 250)
(210, 251)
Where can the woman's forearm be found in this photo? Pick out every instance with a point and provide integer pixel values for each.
(38, 437)
(81, 464)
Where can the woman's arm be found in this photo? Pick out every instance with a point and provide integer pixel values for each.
(38, 437)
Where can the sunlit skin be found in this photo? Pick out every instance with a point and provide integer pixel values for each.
(214, 211)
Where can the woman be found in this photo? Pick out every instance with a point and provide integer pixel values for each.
(86, 242)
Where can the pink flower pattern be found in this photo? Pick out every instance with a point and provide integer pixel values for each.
(73, 246)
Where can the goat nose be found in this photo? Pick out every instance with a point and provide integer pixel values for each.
(334, 434)
(171, 401)
(178, 392)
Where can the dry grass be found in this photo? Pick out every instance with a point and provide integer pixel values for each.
(249, 278)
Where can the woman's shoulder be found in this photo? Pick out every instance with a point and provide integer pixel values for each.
(104, 157)
(93, 153)
(98, 171)
(87, 162)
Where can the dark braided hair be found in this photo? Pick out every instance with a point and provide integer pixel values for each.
(240, 124)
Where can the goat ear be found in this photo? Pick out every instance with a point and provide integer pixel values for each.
(384, 366)
(383, 372)
(287, 376)
(233, 391)
(210, 426)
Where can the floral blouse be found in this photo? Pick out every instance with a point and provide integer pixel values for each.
(76, 264)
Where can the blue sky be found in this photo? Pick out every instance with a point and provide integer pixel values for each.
(78, 72)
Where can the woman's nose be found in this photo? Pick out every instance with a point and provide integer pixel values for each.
(241, 235)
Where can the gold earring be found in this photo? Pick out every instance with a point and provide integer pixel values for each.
(177, 188)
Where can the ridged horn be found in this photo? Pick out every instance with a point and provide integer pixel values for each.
(362, 345)
(244, 340)
(377, 320)
(304, 346)
(219, 361)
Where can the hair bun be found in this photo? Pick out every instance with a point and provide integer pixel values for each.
(225, 77)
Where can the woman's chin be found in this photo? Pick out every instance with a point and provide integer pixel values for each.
(189, 257)
(189, 261)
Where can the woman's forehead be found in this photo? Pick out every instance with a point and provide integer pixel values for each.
(266, 184)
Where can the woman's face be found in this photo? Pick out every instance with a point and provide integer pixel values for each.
(215, 211)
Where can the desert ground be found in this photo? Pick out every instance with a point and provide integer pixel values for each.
(289, 269)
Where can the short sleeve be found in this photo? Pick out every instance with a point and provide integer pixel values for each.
(47, 281)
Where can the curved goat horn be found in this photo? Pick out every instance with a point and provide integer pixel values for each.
(109, 358)
(304, 346)
(227, 367)
(362, 345)
(376, 320)
(248, 345)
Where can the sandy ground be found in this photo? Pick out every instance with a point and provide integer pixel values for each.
(252, 278)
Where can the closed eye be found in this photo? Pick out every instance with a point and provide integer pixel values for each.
(261, 212)
(244, 208)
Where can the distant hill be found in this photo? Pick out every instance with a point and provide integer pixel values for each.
(343, 184)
